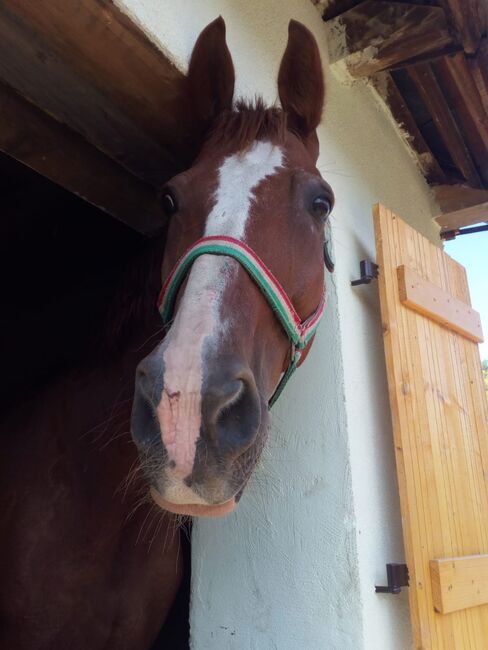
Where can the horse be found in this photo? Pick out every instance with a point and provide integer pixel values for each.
(242, 295)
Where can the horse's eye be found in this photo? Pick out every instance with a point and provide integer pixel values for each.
(321, 207)
(169, 204)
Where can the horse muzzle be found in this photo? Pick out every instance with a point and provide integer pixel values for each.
(198, 448)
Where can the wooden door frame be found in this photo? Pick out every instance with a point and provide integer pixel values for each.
(87, 100)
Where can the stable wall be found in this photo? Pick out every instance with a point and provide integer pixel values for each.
(295, 566)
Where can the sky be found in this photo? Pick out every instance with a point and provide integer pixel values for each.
(472, 252)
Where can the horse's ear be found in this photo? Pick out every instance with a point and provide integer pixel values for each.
(301, 81)
(210, 75)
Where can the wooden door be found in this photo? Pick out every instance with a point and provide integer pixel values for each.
(440, 424)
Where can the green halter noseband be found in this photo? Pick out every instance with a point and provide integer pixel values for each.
(299, 332)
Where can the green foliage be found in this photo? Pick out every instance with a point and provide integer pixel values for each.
(484, 366)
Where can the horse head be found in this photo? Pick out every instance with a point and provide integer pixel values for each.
(244, 253)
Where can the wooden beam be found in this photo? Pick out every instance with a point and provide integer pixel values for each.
(378, 35)
(479, 70)
(465, 217)
(457, 197)
(84, 63)
(469, 21)
(333, 8)
(38, 141)
(434, 100)
(459, 582)
(465, 101)
(388, 90)
(461, 206)
(433, 302)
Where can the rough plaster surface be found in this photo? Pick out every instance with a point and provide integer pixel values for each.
(295, 566)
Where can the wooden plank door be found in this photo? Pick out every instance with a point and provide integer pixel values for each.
(440, 423)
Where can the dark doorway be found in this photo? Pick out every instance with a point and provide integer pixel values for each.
(61, 261)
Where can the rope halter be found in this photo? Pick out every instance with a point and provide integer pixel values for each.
(299, 332)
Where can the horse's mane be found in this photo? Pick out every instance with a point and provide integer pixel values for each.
(238, 128)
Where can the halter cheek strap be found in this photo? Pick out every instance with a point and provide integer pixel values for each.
(299, 332)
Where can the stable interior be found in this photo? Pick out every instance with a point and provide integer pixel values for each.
(61, 262)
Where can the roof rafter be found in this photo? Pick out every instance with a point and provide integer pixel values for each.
(380, 35)
(428, 61)
(465, 100)
(433, 98)
(469, 21)
(388, 90)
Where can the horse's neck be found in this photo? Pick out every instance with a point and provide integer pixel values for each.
(74, 502)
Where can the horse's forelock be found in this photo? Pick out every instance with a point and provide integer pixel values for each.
(237, 129)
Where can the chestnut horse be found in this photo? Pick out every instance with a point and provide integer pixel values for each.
(78, 569)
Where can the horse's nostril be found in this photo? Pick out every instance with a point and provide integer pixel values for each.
(231, 415)
(149, 377)
(142, 423)
(231, 392)
(148, 387)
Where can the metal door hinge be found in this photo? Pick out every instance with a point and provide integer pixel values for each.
(397, 576)
(368, 271)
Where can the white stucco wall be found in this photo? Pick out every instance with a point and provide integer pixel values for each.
(295, 566)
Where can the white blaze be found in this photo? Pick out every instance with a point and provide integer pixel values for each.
(198, 317)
